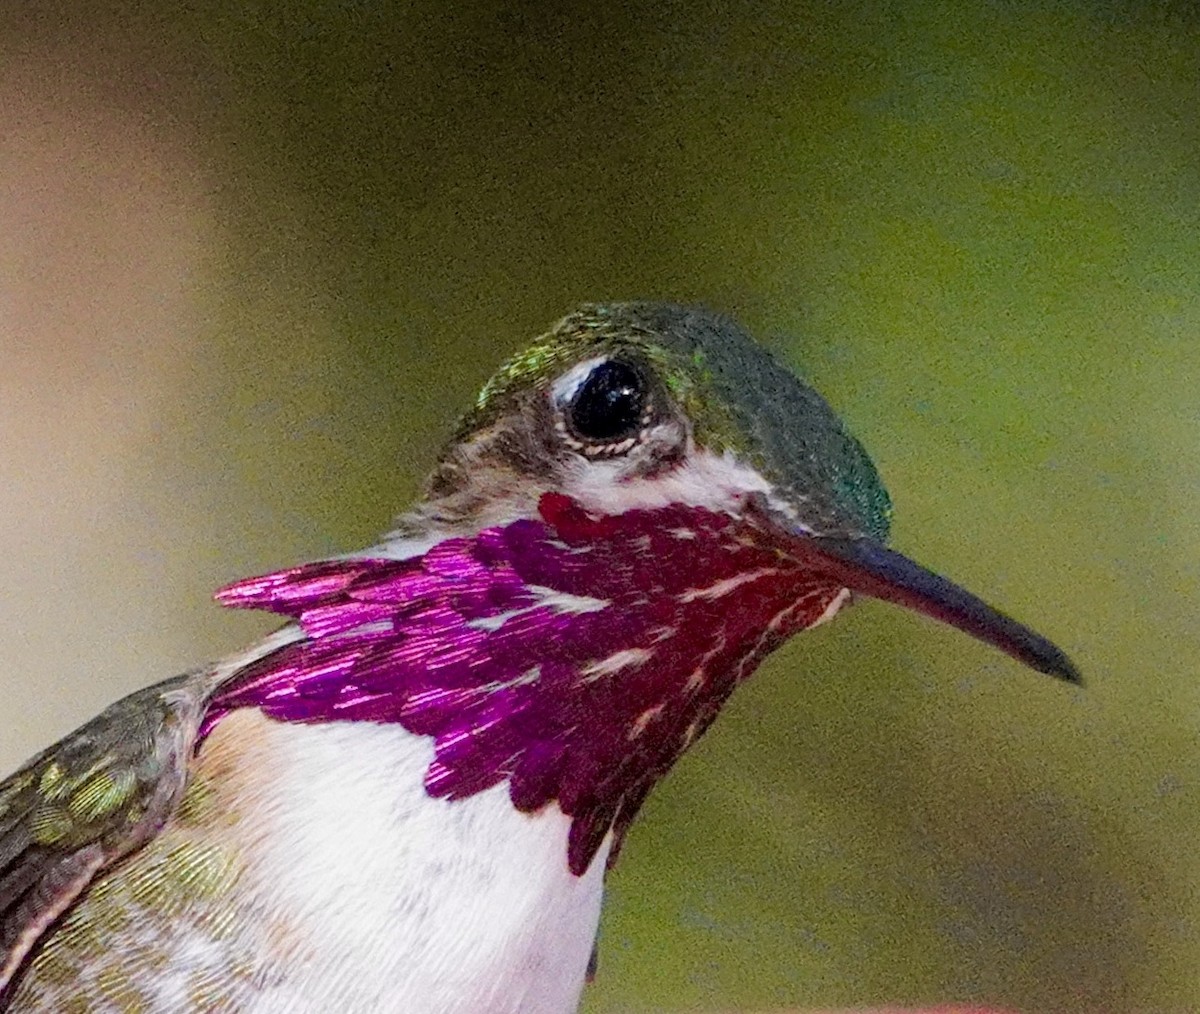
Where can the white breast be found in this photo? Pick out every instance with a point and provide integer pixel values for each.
(400, 902)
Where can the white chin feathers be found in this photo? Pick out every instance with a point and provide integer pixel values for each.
(717, 482)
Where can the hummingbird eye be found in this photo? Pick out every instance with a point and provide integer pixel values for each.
(608, 407)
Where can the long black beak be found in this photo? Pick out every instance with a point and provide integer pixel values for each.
(869, 568)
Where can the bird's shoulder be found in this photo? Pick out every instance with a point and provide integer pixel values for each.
(82, 804)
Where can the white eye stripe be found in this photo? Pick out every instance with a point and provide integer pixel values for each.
(567, 386)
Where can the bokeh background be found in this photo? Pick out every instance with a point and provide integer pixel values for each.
(254, 258)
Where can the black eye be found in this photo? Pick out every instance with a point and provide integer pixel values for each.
(609, 404)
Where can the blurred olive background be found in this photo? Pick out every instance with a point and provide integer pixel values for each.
(254, 258)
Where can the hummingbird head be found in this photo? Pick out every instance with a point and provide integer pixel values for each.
(636, 511)
(642, 405)
(650, 405)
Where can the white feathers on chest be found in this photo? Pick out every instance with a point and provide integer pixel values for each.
(401, 902)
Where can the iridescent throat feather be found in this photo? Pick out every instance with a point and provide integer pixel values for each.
(575, 655)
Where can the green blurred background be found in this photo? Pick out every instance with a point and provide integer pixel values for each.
(254, 258)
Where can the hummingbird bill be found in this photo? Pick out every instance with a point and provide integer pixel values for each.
(406, 798)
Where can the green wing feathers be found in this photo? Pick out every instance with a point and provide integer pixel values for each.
(87, 801)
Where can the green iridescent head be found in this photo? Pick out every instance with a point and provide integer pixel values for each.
(735, 397)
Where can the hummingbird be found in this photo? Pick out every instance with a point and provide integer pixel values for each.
(406, 798)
